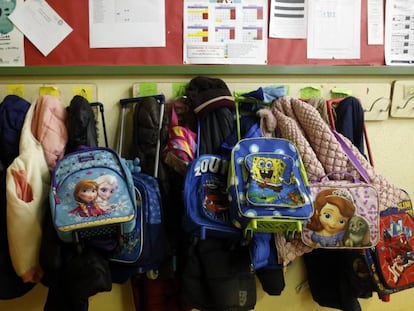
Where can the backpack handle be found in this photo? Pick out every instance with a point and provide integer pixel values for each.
(355, 179)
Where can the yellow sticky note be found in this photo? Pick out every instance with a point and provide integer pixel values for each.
(84, 91)
(148, 88)
(178, 89)
(15, 89)
(310, 92)
(49, 90)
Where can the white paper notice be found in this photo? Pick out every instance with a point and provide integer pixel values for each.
(334, 29)
(288, 19)
(11, 38)
(399, 32)
(40, 24)
(225, 32)
(375, 22)
(127, 23)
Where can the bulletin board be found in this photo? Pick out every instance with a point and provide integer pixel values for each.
(75, 51)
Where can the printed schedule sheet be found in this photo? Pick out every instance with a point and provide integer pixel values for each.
(225, 32)
(399, 32)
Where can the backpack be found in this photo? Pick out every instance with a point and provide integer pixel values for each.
(206, 212)
(357, 202)
(391, 262)
(268, 186)
(149, 136)
(206, 203)
(109, 212)
(153, 182)
(144, 248)
(181, 146)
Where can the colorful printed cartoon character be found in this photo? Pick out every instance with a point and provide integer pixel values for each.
(107, 184)
(267, 172)
(333, 209)
(85, 194)
(215, 197)
(272, 181)
(6, 8)
(398, 254)
(357, 233)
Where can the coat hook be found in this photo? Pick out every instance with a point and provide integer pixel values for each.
(376, 101)
(406, 103)
(387, 108)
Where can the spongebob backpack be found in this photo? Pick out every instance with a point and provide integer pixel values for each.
(268, 187)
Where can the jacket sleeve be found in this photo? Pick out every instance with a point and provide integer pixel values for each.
(26, 192)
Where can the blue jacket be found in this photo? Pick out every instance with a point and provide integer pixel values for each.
(350, 121)
(13, 110)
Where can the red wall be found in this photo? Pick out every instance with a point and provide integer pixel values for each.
(74, 50)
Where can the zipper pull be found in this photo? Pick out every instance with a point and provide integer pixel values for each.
(56, 197)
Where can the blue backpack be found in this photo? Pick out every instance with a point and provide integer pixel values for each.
(92, 197)
(144, 248)
(206, 212)
(268, 187)
(145, 245)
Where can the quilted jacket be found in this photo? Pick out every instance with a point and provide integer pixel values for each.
(321, 154)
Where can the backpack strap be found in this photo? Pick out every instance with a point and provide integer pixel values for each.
(357, 164)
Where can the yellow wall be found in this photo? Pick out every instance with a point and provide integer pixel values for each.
(391, 143)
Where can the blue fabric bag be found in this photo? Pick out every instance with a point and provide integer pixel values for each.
(145, 247)
(205, 198)
(268, 186)
(92, 196)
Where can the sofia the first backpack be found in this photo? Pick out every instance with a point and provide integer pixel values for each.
(92, 197)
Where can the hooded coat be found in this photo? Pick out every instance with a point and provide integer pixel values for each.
(212, 103)
(81, 124)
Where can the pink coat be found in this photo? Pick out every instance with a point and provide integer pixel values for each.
(49, 128)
